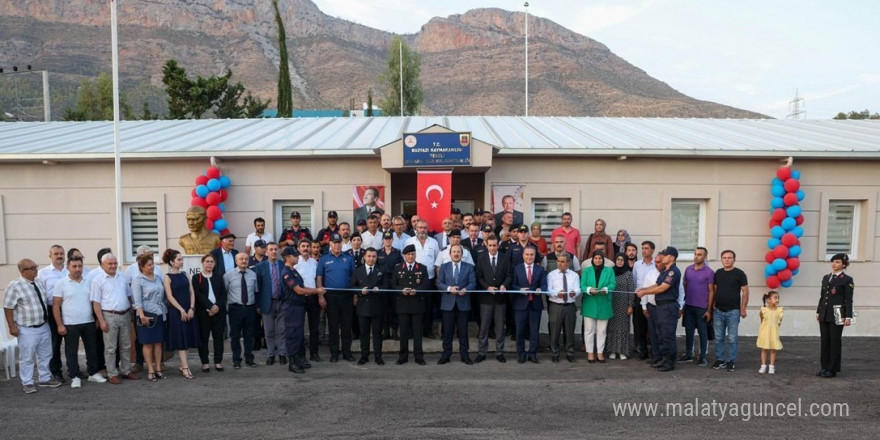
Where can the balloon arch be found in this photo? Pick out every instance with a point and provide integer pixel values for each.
(210, 193)
(786, 218)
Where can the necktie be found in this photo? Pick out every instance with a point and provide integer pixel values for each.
(493, 263)
(409, 267)
(529, 279)
(455, 274)
(275, 285)
(244, 290)
(369, 270)
(42, 303)
(565, 286)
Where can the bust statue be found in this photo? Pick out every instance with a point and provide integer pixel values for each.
(199, 241)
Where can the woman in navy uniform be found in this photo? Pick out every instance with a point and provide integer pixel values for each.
(837, 292)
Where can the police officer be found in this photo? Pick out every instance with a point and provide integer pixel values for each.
(411, 279)
(665, 313)
(292, 234)
(837, 293)
(386, 259)
(294, 308)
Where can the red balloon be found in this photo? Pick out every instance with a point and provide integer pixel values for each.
(223, 195)
(213, 173)
(783, 173)
(773, 282)
(214, 212)
(224, 232)
(790, 199)
(769, 257)
(792, 185)
(209, 224)
(799, 220)
(793, 263)
(774, 222)
(788, 239)
(198, 201)
(779, 214)
(213, 198)
(780, 251)
(784, 275)
(201, 180)
(194, 194)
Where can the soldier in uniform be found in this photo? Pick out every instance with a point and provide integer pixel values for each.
(411, 279)
(291, 235)
(837, 293)
(370, 308)
(294, 308)
(386, 259)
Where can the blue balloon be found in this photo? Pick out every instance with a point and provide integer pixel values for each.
(776, 202)
(795, 174)
(792, 211)
(794, 251)
(769, 271)
(224, 182)
(787, 283)
(778, 264)
(214, 231)
(788, 223)
(800, 194)
(777, 190)
(773, 242)
(222, 207)
(202, 191)
(798, 231)
(777, 182)
(777, 232)
(795, 272)
(220, 224)
(214, 185)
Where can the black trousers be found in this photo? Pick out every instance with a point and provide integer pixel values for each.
(340, 311)
(411, 323)
(213, 327)
(831, 338)
(640, 329)
(242, 321)
(313, 320)
(453, 320)
(367, 324)
(390, 320)
(88, 333)
(432, 302)
(55, 362)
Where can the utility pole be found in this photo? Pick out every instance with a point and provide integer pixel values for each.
(794, 107)
(527, 57)
(47, 100)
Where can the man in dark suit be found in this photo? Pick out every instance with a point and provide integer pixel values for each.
(269, 287)
(493, 274)
(224, 255)
(411, 279)
(507, 203)
(370, 308)
(371, 197)
(455, 279)
(531, 279)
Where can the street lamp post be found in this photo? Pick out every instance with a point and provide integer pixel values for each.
(47, 102)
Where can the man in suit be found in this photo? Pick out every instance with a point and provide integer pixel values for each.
(370, 305)
(225, 254)
(411, 279)
(269, 288)
(507, 203)
(454, 279)
(493, 274)
(371, 197)
(531, 280)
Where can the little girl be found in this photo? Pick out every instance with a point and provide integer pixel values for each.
(768, 332)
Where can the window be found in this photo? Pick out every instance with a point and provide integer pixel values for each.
(283, 208)
(688, 226)
(843, 222)
(141, 228)
(548, 212)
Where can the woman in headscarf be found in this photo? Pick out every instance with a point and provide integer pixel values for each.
(537, 240)
(620, 342)
(597, 285)
(620, 241)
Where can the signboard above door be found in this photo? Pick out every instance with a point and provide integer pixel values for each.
(436, 149)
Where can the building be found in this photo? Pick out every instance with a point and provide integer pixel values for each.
(644, 175)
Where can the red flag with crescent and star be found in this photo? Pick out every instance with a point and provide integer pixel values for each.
(434, 197)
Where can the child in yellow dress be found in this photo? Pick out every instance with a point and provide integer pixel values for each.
(768, 332)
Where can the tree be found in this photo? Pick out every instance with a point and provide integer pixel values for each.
(864, 114)
(254, 107)
(370, 103)
(191, 98)
(285, 98)
(413, 96)
(94, 101)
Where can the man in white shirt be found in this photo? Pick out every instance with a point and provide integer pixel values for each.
(564, 289)
(258, 234)
(50, 275)
(372, 237)
(640, 323)
(400, 236)
(308, 269)
(426, 255)
(76, 321)
(111, 301)
(454, 237)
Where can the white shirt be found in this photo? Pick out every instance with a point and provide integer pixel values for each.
(253, 237)
(49, 275)
(640, 269)
(649, 279)
(443, 257)
(112, 292)
(555, 286)
(425, 254)
(308, 271)
(90, 276)
(76, 306)
(372, 240)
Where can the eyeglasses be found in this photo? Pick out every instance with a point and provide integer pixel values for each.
(30, 268)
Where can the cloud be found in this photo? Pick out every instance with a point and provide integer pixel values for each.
(596, 17)
(870, 78)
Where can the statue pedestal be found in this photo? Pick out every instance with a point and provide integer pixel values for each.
(192, 264)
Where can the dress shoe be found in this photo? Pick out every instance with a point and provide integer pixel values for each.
(667, 366)
(829, 374)
(521, 359)
(282, 360)
(236, 365)
(443, 360)
(401, 361)
(363, 361)
(334, 358)
(218, 368)
(135, 368)
(115, 380)
(820, 372)
(601, 361)
(467, 360)
(251, 364)
(421, 361)
(479, 358)
(315, 357)
(569, 358)
(658, 364)
(270, 360)
(294, 367)
(379, 361)
(534, 359)
(348, 357)
(501, 358)
(591, 361)
(305, 363)
(555, 359)
(130, 376)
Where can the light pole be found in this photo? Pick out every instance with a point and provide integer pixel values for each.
(47, 102)
(527, 57)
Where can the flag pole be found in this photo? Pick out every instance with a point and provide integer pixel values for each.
(116, 161)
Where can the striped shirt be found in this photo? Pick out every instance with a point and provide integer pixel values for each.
(22, 299)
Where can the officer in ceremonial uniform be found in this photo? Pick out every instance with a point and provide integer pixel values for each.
(837, 293)
(294, 308)
(411, 280)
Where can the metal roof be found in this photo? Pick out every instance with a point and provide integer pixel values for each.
(511, 135)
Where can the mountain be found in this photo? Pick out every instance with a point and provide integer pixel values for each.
(472, 63)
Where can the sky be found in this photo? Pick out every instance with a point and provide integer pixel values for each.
(751, 54)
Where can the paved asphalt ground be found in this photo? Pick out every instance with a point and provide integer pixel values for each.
(488, 400)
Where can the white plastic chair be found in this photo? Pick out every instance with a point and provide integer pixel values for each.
(8, 346)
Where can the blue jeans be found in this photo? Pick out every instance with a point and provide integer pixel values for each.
(693, 320)
(726, 323)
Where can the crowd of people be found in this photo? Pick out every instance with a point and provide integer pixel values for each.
(390, 278)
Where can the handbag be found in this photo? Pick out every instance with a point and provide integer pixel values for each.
(150, 316)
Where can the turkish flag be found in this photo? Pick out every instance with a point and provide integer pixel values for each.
(434, 197)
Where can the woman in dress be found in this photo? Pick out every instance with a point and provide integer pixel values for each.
(210, 293)
(837, 293)
(537, 240)
(183, 331)
(597, 285)
(148, 294)
(620, 241)
(619, 342)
